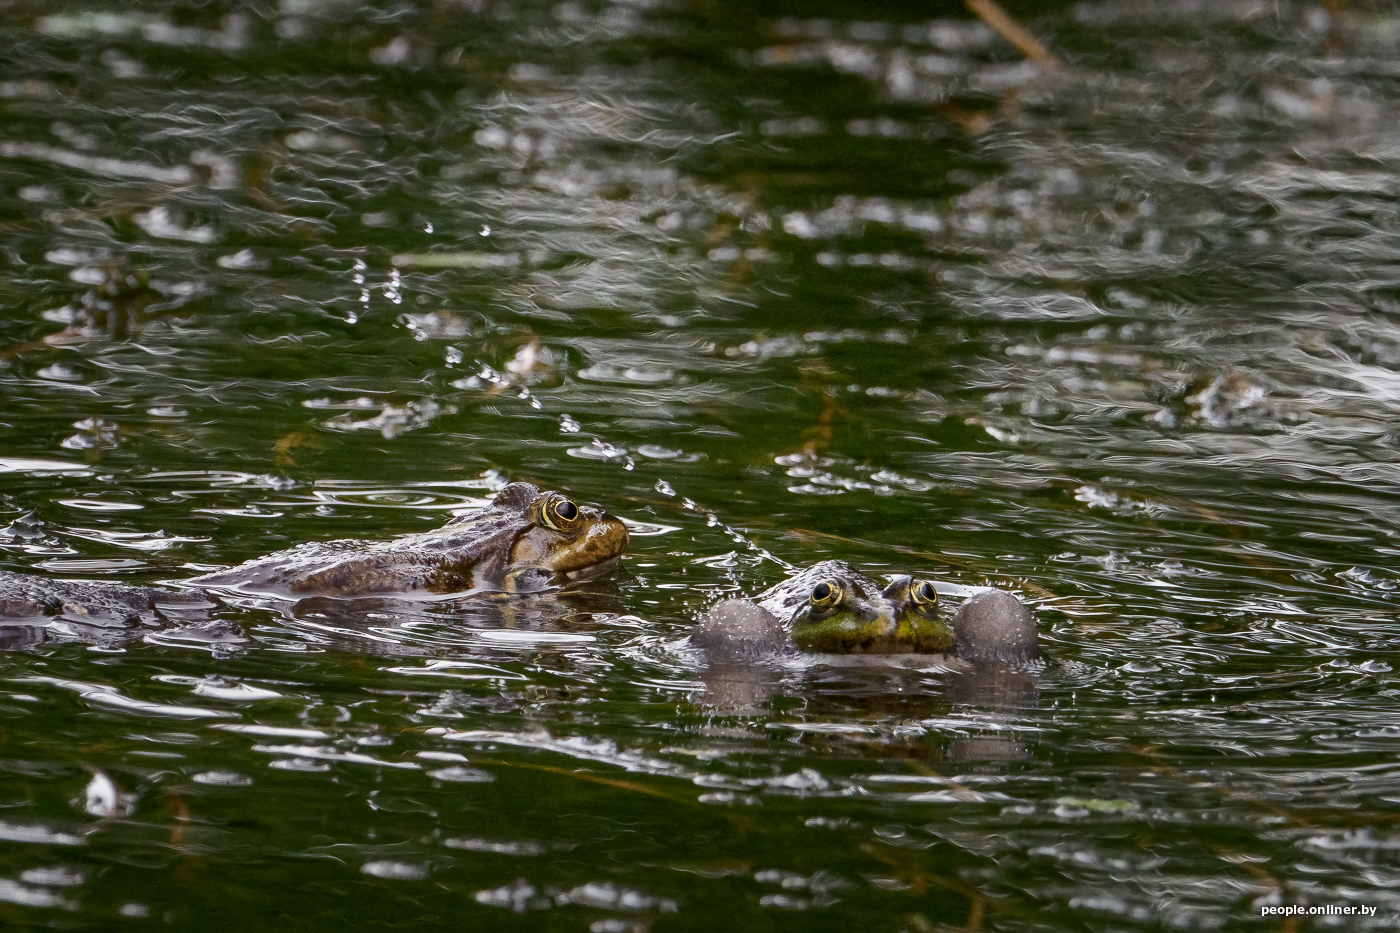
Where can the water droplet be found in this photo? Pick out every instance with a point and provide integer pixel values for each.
(391, 287)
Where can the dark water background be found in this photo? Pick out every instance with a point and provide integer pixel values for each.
(775, 282)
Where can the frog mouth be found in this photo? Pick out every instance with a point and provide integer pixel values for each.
(593, 571)
(878, 621)
(853, 630)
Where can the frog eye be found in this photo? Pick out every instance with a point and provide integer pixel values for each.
(559, 513)
(826, 595)
(924, 597)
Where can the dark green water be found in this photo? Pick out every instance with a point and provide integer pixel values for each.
(282, 273)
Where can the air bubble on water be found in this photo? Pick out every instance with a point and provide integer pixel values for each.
(392, 287)
(428, 228)
(454, 356)
(568, 425)
(485, 230)
(597, 449)
(485, 377)
(628, 463)
(664, 488)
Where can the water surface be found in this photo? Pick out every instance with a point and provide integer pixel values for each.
(775, 284)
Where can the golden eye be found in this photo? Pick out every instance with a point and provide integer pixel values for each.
(825, 595)
(924, 596)
(559, 514)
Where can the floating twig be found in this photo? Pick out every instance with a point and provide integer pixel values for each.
(991, 13)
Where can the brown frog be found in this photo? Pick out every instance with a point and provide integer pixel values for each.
(527, 540)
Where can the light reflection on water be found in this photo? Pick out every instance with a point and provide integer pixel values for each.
(1116, 337)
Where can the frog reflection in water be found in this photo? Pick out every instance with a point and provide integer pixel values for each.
(527, 540)
(832, 609)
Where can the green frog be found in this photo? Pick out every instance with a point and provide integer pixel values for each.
(831, 609)
(526, 541)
